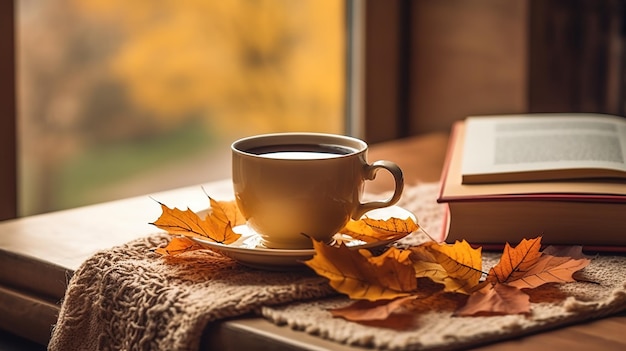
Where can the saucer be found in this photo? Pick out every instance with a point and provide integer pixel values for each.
(249, 251)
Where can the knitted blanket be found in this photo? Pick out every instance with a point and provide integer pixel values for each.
(129, 298)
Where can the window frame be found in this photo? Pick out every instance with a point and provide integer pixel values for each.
(8, 112)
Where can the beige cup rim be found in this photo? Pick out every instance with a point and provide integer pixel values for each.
(241, 145)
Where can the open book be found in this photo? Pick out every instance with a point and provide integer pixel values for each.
(543, 147)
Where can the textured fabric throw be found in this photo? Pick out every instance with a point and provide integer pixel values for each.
(129, 298)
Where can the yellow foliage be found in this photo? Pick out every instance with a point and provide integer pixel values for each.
(256, 66)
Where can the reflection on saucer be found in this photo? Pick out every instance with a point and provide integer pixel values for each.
(249, 251)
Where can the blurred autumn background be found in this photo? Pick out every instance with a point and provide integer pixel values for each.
(121, 98)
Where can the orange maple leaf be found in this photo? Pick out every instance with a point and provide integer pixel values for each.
(549, 269)
(361, 276)
(527, 267)
(522, 267)
(216, 226)
(515, 262)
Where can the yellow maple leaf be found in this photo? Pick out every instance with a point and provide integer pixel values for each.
(227, 211)
(393, 253)
(371, 230)
(457, 266)
(215, 226)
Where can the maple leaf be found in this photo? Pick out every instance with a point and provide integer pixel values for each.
(216, 226)
(515, 262)
(372, 230)
(526, 267)
(522, 267)
(457, 266)
(364, 310)
(361, 276)
(496, 299)
(179, 245)
(399, 255)
(227, 211)
(549, 269)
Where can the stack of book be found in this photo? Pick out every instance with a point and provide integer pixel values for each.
(558, 176)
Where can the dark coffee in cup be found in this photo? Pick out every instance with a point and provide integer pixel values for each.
(302, 151)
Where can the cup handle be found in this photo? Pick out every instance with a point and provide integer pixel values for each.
(370, 174)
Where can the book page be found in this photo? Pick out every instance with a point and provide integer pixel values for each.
(534, 143)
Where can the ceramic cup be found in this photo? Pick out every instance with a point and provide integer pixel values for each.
(292, 187)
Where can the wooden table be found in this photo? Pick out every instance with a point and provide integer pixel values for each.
(38, 253)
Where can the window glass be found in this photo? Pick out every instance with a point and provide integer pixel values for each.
(120, 98)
